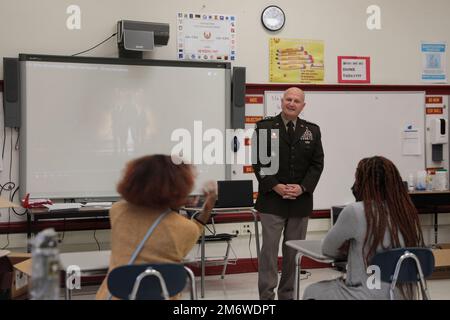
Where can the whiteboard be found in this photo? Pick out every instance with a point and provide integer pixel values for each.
(355, 125)
(84, 118)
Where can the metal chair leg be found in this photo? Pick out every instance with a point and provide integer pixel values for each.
(193, 288)
(298, 261)
(225, 261)
(68, 290)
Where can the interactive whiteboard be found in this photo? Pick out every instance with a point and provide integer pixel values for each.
(84, 118)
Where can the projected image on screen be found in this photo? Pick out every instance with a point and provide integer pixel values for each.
(83, 121)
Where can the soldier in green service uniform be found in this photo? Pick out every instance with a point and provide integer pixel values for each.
(285, 196)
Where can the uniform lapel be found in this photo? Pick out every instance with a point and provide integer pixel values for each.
(279, 124)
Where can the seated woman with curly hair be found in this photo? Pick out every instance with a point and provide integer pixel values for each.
(152, 186)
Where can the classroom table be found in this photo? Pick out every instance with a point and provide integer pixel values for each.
(100, 214)
(437, 201)
(426, 202)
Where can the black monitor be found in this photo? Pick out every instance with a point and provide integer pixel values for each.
(234, 194)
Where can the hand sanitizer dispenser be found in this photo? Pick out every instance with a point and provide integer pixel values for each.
(439, 133)
(439, 136)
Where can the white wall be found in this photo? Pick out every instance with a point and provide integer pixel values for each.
(29, 26)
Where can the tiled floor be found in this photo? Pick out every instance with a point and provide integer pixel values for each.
(244, 286)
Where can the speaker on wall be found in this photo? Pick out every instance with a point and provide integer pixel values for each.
(238, 98)
(11, 92)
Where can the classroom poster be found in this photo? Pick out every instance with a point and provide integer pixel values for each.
(206, 37)
(433, 62)
(296, 60)
(353, 69)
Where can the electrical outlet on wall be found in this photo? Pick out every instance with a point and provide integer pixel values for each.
(246, 229)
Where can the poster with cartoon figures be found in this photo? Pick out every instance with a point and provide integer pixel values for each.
(296, 60)
(206, 37)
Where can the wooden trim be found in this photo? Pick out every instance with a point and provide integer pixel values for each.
(92, 224)
(100, 224)
(60, 225)
(255, 88)
(1, 85)
(248, 217)
(74, 225)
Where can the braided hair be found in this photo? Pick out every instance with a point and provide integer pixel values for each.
(387, 205)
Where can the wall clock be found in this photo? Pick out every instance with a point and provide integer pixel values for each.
(273, 18)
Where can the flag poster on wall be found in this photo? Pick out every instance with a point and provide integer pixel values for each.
(206, 37)
(295, 60)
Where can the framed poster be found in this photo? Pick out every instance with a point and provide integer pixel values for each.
(353, 69)
(296, 60)
(206, 37)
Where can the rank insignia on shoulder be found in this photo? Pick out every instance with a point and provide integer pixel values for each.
(311, 123)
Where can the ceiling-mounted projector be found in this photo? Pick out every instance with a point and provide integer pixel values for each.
(134, 37)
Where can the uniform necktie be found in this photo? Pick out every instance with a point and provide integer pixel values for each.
(290, 130)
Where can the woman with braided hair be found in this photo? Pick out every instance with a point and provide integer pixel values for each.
(382, 218)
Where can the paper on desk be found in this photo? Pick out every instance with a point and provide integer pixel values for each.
(98, 204)
(62, 206)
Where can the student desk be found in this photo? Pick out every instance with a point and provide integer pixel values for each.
(310, 248)
(214, 212)
(86, 263)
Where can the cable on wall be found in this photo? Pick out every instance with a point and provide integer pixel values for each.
(76, 54)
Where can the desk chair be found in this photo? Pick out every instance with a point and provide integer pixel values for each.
(230, 194)
(150, 281)
(216, 237)
(222, 260)
(192, 212)
(405, 265)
